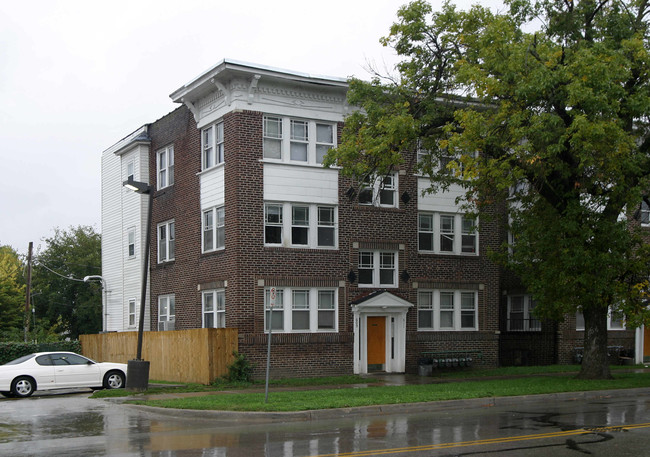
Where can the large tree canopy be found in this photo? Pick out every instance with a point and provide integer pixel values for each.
(61, 298)
(551, 100)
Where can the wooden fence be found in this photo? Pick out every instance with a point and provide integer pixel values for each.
(198, 355)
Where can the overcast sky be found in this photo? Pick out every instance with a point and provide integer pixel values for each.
(77, 76)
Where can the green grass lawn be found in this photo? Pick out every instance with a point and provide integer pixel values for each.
(384, 395)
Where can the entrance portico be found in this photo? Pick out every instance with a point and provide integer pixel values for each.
(380, 333)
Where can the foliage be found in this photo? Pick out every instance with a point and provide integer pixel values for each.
(301, 400)
(11, 351)
(559, 112)
(12, 292)
(240, 370)
(60, 295)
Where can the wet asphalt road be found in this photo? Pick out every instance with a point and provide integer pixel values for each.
(71, 424)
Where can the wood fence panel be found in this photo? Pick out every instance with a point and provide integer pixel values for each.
(197, 355)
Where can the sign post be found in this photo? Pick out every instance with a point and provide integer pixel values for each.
(272, 295)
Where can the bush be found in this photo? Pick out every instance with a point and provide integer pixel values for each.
(11, 351)
(240, 370)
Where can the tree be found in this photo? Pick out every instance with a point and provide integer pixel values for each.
(12, 292)
(62, 299)
(558, 110)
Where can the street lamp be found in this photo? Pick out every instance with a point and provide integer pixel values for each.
(105, 298)
(137, 370)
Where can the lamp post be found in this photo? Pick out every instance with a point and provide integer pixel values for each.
(105, 298)
(137, 376)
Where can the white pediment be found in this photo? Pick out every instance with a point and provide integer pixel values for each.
(385, 302)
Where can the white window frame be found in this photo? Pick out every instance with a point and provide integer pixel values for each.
(430, 301)
(313, 305)
(131, 308)
(130, 243)
(376, 260)
(213, 305)
(216, 231)
(130, 170)
(316, 228)
(374, 189)
(529, 322)
(166, 244)
(212, 146)
(165, 167)
(168, 318)
(613, 324)
(644, 214)
(432, 229)
(284, 136)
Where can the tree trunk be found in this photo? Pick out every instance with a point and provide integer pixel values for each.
(595, 362)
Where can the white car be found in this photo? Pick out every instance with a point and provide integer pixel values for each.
(58, 370)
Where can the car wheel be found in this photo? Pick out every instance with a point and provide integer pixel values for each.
(114, 380)
(23, 386)
(4, 393)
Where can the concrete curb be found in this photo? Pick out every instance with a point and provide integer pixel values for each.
(380, 410)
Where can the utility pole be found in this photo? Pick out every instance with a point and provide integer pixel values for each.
(28, 288)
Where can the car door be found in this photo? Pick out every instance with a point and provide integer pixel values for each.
(43, 372)
(72, 370)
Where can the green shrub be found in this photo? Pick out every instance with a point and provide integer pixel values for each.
(11, 351)
(240, 370)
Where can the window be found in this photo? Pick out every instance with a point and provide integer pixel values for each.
(214, 308)
(214, 229)
(377, 269)
(447, 234)
(447, 310)
(212, 145)
(272, 224)
(520, 314)
(297, 140)
(165, 164)
(130, 170)
(302, 310)
(379, 191)
(615, 320)
(645, 213)
(311, 225)
(132, 312)
(166, 242)
(130, 247)
(166, 312)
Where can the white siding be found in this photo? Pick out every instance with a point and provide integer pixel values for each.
(444, 202)
(212, 187)
(295, 183)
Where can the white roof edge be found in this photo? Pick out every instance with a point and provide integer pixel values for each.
(225, 63)
(129, 139)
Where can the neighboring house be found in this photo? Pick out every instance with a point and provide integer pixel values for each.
(363, 276)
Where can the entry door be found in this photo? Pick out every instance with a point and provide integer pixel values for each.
(376, 342)
(646, 344)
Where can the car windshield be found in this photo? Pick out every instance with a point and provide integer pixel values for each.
(20, 359)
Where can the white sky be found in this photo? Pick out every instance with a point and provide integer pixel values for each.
(76, 76)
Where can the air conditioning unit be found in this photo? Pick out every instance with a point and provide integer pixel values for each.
(167, 325)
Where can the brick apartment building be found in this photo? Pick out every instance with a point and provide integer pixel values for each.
(366, 276)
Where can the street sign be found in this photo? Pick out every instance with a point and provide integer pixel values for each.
(273, 295)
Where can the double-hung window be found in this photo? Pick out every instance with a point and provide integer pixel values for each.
(310, 225)
(132, 312)
(302, 310)
(214, 230)
(166, 312)
(378, 269)
(214, 308)
(130, 170)
(297, 140)
(379, 191)
(442, 233)
(520, 314)
(645, 213)
(212, 145)
(165, 165)
(130, 247)
(615, 320)
(447, 310)
(166, 241)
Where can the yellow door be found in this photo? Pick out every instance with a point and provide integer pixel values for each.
(376, 340)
